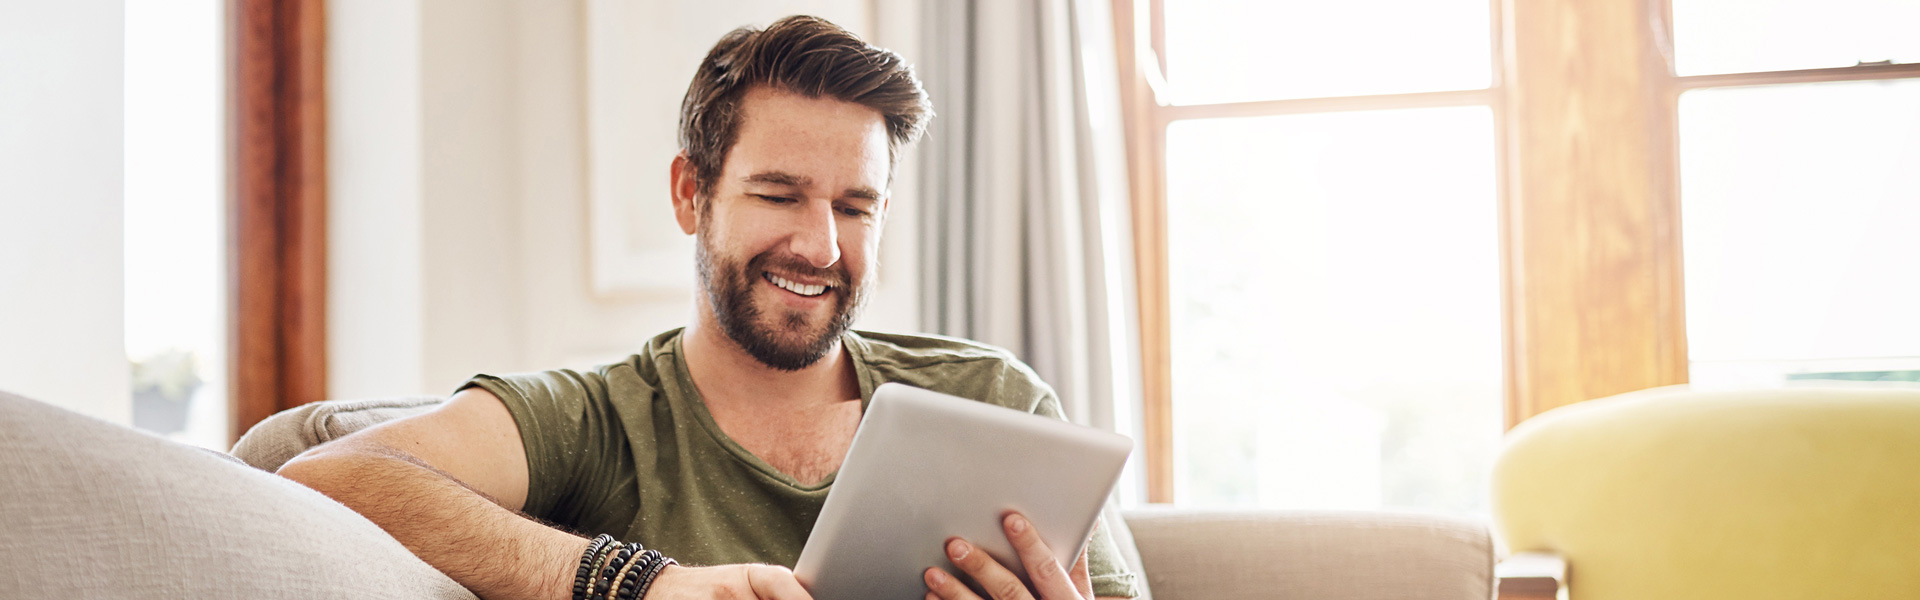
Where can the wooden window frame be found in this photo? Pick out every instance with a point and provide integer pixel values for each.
(1585, 119)
(277, 209)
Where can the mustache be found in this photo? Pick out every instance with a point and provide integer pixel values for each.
(835, 276)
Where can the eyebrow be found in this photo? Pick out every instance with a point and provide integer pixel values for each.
(789, 179)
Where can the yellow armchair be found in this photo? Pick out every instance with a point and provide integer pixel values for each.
(1802, 492)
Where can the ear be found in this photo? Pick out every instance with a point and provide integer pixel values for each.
(683, 187)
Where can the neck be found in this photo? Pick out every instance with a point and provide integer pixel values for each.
(726, 374)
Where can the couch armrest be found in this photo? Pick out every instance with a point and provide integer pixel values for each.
(1230, 555)
(1532, 576)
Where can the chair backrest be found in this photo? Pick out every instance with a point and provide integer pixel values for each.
(1801, 492)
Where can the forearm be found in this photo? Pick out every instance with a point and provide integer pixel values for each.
(494, 552)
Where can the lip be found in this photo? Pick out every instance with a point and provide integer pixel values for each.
(798, 279)
(792, 297)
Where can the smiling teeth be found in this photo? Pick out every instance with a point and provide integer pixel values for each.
(804, 290)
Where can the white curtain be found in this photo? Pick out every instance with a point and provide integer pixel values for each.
(1026, 233)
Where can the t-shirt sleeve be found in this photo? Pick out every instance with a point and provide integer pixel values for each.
(568, 427)
(1111, 577)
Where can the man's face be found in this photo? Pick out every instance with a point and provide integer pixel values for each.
(788, 238)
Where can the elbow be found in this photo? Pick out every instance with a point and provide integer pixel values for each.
(315, 467)
(303, 468)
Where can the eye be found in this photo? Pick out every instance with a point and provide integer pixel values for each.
(775, 199)
(854, 212)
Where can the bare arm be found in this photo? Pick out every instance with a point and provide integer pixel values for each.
(446, 484)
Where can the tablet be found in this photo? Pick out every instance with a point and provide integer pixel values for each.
(926, 466)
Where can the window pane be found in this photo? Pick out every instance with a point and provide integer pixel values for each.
(1241, 50)
(1736, 36)
(1335, 308)
(1799, 209)
(175, 211)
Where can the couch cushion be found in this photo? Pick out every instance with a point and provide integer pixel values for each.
(1312, 555)
(281, 437)
(96, 510)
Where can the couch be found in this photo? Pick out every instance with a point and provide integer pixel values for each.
(93, 509)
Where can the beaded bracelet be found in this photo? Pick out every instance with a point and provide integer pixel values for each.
(599, 558)
(628, 581)
(639, 561)
(603, 570)
(660, 563)
(586, 559)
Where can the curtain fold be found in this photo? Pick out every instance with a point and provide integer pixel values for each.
(1026, 235)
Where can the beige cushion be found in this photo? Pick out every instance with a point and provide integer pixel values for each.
(1305, 555)
(96, 510)
(281, 437)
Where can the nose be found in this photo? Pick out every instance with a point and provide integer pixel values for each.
(818, 240)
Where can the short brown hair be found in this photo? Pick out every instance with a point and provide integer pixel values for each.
(804, 55)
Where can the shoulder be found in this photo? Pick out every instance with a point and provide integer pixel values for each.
(950, 365)
(571, 390)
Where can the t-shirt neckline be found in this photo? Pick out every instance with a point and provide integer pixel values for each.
(685, 389)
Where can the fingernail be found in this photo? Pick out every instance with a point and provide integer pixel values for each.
(1017, 523)
(939, 577)
(958, 549)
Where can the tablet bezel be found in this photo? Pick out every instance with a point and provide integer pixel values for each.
(924, 467)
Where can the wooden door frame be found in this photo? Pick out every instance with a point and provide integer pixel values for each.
(277, 208)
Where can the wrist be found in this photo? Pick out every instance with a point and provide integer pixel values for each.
(609, 569)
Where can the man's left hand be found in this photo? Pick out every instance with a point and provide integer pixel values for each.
(1050, 581)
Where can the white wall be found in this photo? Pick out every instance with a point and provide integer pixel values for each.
(375, 335)
(458, 189)
(61, 323)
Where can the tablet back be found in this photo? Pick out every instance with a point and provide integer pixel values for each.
(925, 467)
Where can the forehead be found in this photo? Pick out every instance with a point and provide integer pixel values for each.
(829, 141)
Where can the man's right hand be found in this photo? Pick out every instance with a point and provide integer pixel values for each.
(728, 582)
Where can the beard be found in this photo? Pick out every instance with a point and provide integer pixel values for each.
(784, 339)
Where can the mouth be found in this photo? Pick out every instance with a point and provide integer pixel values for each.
(801, 289)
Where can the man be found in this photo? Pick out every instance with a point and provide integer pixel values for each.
(716, 444)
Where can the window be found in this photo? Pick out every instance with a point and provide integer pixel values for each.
(225, 217)
(176, 332)
(1799, 189)
(1332, 274)
(1364, 228)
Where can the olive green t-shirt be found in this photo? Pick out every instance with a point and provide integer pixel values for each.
(629, 449)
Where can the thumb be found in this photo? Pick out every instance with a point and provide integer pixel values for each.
(774, 582)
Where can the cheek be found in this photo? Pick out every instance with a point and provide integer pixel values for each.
(860, 249)
(743, 232)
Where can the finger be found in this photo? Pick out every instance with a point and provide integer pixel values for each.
(1048, 577)
(774, 582)
(1081, 579)
(943, 586)
(1000, 583)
